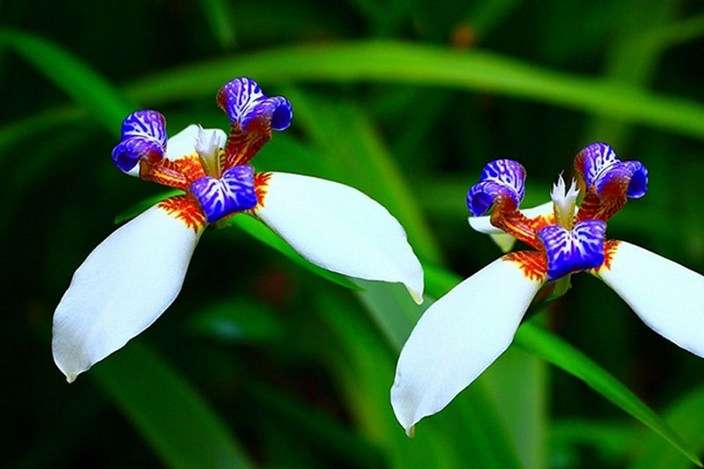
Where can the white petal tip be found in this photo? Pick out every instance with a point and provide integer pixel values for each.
(123, 286)
(457, 338)
(411, 431)
(417, 297)
(71, 378)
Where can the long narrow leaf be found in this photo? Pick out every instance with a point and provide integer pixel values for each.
(167, 411)
(395, 62)
(73, 76)
(554, 350)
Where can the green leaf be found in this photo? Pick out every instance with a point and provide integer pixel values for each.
(167, 411)
(685, 415)
(72, 75)
(397, 62)
(218, 14)
(467, 434)
(554, 350)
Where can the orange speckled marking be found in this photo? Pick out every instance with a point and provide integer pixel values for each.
(186, 209)
(532, 264)
(178, 174)
(542, 221)
(610, 248)
(516, 224)
(243, 145)
(261, 186)
(600, 208)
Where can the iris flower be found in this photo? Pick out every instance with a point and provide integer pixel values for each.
(463, 332)
(128, 281)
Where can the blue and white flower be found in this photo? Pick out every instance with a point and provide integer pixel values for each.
(463, 332)
(130, 279)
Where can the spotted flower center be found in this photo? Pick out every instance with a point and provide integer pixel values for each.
(211, 167)
(569, 240)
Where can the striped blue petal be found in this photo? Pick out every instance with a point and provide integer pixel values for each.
(233, 192)
(143, 137)
(607, 175)
(245, 103)
(499, 178)
(569, 251)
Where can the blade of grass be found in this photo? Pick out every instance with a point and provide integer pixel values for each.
(218, 14)
(684, 415)
(83, 84)
(167, 411)
(467, 435)
(554, 350)
(632, 59)
(396, 63)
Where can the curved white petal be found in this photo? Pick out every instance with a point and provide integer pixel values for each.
(123, 286)
(340, 229)
(668, 297)
(458, 337)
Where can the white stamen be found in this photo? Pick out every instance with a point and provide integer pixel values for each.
(564, 201)
(207, 146)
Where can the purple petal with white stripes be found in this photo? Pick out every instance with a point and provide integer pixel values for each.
(499, 178)
(233, 192)
(632, 175)
(569, 251)
(602, 170)
(244, 101)
(596, 159)
(143, 137)
(150, 124)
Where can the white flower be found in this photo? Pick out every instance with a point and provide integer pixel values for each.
(130, 279)
(463, 332)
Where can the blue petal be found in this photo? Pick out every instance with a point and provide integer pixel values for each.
(233, 192)
(143, 137)
(602, 169)
(568, 251)
(629, 174)
(149, 124)
(499, 178)
(244, 101)
(128, 152)
(594, 160)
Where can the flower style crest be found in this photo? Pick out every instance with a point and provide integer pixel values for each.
(143, 137)
(501, 181)
(476, 321)
(133, 276)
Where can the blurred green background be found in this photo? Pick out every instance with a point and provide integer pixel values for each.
(262, 363)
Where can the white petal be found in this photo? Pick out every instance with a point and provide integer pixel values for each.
(185, 142)
(340, 229)
(668, 297)
(458, 337)
(120, 289)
